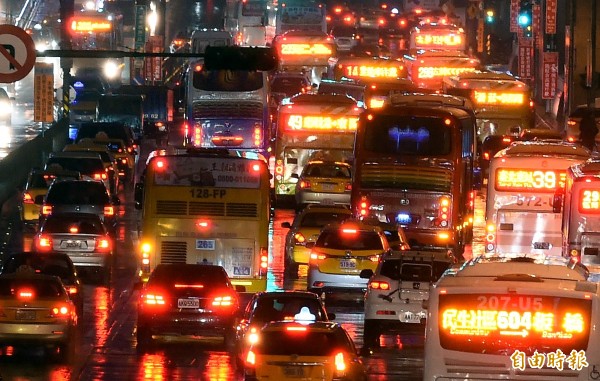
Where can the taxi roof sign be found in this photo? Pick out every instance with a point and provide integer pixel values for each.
(240, 58)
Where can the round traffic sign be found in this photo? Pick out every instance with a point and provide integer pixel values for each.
(17, 53)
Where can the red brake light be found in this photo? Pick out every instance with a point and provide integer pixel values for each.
(27, 199)
(25, 294)
(317, 256)
(305, 184)
(226, 301)
(73, 230)
(46, 210)
(348, 187)
(250, 358)
(153, 299)
(349, 231)
(44, 243)
(299, 238)
(295, 328)
(100, 176)
(189, 286)
(72, 290)
(60, 311)
(377, 285)
(103, 244)
(109, 211)
(340, 364)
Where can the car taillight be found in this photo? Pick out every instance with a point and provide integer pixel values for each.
(60, 311)
(103, 244)
(374, 258)
(264, 261)
(44, 243)
(348, 187)
(224, 302)
(46, 210)
(317, 256)
(124, 161)
(109, 211)
(100, 176)
(27, 199)
(299, 239)
(571, 123)
(340, 365)
(305, 184)
(251, 359)
(153, 299)
(378, 285)
(486, 155)
(72, 290)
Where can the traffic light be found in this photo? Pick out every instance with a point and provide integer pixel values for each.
(489, 16)
(525, 18)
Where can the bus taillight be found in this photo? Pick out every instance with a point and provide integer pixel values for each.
(264, 261)
(279, 169)
(202, 224)
(363, 207)
(575, 254)
(197, 136)
(490, 238)
(257, 137)
(444, 212)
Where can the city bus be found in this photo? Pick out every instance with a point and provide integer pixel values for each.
(208, 206)
(413, 165)
(311, 127)
(380, 76)
(427, 69)
(580, 223)
(521, 317)
(301, 15)
(251, 22)
(503, 104)
(228, 107)
(523, 179)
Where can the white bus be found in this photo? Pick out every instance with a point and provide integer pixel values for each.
(251, 22)
(581, 222)
(527, 317)
(201, 38)
(523, 178)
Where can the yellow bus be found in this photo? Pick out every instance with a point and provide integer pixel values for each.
(206, 206)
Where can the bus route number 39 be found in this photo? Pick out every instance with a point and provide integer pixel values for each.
(208, 193)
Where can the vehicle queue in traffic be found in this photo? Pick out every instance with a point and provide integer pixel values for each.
(404, 214)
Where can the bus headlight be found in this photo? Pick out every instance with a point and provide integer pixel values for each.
(111, 70)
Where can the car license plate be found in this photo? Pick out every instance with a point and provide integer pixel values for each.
(347, 264)
(328, 187)
(541, 245)
(410, 317)
(293, 371)
(25, 315)
(205, 244)
(188, 303)
(72, 244)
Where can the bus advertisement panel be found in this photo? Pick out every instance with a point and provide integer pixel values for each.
(523, 179)
(580, 224)
(381, 77)
(502, 103)
(414, 166)
(312, 127)
(522, 317)
(227, 109)
(427, 69)
(210, 208)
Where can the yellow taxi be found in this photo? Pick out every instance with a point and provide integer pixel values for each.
(341, 252)
(36, 309)
(306, 228)
(310, 351)
(324, 181)
(124, 158)
(37, 184)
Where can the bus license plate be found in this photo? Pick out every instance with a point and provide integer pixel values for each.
(205, 244)
(293, 371)
(347, 264)
(410, 317)
(25, 315)
(541, 245)
(188, 303)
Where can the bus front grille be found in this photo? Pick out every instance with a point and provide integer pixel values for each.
(241, 210)
(207, 208)
(173, 252)
(171, 207)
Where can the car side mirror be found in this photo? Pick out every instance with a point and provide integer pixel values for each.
(366, 273)
(240, 288)
(39, 199)
(286, 225)
(310, 245)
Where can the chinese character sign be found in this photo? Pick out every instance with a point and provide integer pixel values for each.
(526, 58)
(575, 360)
(550, 75)
(514, 14)
(551, 6)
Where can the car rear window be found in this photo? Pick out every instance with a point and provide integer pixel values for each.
(40, 288)
(112, 131)
(397, 269)
(63, 224)
(318, 220)
(72, 193)
(86, 166)
(285, 308)
(339, 240)
(300, 343)
(45, 264)
(215, 276)
(337, 171)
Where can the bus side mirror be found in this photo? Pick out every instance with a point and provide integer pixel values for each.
(557, 202)
(138, 195)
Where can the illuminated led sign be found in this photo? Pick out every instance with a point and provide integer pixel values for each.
(306, 49)
(324, 123)
(589, 201)
(529, 180)
(365, 71)
(498, 98)
(90, 25)
(442, 71)
(429, 40)
(496, 321)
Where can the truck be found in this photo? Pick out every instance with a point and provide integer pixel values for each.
(157, 103)
(122, 108)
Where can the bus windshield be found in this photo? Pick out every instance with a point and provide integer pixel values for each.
(228, 80)
(407, 135)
